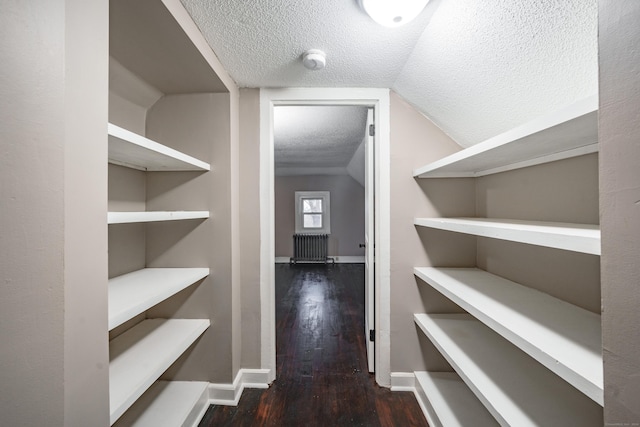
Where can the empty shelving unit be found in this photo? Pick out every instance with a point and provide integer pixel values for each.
(530, 356)
(568, 132)
(574, 237)
(169, 120)
(448, 402)
(563, 337)
(141, 354)
(135, 292)
(514, 388)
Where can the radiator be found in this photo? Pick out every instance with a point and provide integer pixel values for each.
(310, 247)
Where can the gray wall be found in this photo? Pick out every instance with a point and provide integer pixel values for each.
(619, 129)
(250, 226)
(416, 141)
(86, 353)
(562, 191)
(53, 361)
(347, 212)
(32, 261)
(199, 125)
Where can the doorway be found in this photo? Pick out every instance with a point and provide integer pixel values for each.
(378, 100)
(324, 194)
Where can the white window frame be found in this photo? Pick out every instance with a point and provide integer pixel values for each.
(325, 196)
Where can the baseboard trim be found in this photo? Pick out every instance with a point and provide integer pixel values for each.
(424, 404)
(198, 411)
(229, 394)
(403, 381)
(340, 259)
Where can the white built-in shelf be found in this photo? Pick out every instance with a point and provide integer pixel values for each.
(563, 337)
(131, 217)
(583, 238)
(569, 132)
(515, 388)
(168, 403)
(135, 292)
(135, 151)
(140, 355)
(448, 402)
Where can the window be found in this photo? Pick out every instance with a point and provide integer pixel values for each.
(312, 212)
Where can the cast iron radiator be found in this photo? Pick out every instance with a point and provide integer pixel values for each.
(310, 247)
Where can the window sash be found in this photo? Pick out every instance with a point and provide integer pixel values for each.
(308, 205)
(312, 213)
(312, 220)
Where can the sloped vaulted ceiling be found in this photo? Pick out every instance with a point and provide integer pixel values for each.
(337, 133)
(475, 67)
(483, 67)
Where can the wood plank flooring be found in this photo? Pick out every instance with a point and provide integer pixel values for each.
(322, 377)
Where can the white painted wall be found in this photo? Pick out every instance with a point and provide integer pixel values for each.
(619, 130)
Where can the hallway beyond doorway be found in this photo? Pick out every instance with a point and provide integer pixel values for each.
(322, 377)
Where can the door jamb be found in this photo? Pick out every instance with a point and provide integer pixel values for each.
(378, 99)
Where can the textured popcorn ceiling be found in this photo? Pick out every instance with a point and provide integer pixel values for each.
(475, 67)
(483, 67)
(261, 42)
(324, 138)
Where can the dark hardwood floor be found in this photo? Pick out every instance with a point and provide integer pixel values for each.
(322, 377)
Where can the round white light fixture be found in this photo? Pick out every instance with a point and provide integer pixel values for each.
(314, 59)
(393, 13)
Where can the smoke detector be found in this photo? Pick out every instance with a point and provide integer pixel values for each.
(314, 59)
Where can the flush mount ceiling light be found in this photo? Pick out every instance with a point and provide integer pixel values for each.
(393, 13)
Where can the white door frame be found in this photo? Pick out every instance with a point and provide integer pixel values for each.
(378, 99)
(369, 239)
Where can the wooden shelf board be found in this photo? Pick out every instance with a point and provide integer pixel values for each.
(569, 132)
(448, 402)
(563, 337)
(131, 217)
(167, 403)
(136, 292)
(140, 355)
(135, 151)
(516, 389)
(583, 238)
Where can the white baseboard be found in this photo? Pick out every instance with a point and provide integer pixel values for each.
(424, 404)
(403, 381)
(340, 259)
(198, 411)
(229, 394)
